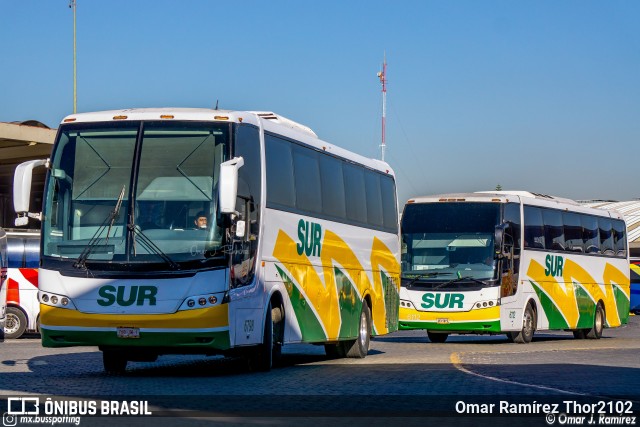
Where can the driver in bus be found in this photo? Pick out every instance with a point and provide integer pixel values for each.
(200, 221)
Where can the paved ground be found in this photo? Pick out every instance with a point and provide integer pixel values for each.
(404, 374)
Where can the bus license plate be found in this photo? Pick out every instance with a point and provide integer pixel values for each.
(124, 332)
(443, 321)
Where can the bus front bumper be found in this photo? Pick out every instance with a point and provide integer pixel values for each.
(484, 320)
(207, 329)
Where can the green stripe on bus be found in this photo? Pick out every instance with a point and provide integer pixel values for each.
(391, 301)
(623, 304)
(350, 305)
(551, 310)
(586, 308)
(310, 325)
(486, 326)
(201, 340)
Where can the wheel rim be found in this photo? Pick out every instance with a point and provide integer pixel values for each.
(12, 324)
(527, 328)
(362, 336)
(599, 320)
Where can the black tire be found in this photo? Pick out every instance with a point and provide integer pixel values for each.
(579, 334)
(437, 337)
(358, 348)
(114, 362)
(277, 318)
(525, 335)
(16, 323)
(598, 324)
(334, 351)
(261, 356)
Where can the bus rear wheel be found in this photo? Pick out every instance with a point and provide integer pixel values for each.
(358, 348)
(437, 337)
(525, 335)
(598, 324)
(114, 362)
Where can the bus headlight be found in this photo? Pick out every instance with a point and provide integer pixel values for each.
(485, 304)
(200, 301)
(54, 300)
(406, 304)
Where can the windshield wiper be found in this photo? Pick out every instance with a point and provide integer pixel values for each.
(81, 262)
(424, 275)
(459, 279)
(152, 247)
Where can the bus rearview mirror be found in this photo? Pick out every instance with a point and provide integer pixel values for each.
(22, 190)
(228, 185)
(498, 240)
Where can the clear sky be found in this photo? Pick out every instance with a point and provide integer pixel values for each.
(536, 95)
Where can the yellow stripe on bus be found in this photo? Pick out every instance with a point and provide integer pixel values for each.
(479, 315)
(212, 317)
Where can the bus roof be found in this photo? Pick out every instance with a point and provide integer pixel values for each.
(269, 121)
(524, 197)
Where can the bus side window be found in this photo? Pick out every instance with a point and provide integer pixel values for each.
(620, 238)
(590, 235)
(572, 231)
(533, 228)
(606, 236)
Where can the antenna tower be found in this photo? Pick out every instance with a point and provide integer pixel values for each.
(382, 75)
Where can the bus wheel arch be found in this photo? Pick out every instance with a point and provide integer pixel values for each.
(16, 322)
(599, 319)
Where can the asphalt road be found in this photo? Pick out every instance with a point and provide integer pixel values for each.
(405, 379)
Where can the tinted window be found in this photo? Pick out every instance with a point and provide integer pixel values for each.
(533, 228)
(355, 193)
(606, 236)
(553, 229)
(389, 205)
(280, 189)
(572, 231)
(512, 215)
(332, 187)
(620, 237)
(307, 179)
(590, 237)
(374, 198)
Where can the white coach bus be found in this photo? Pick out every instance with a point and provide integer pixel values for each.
(512, 262)
(207, 231)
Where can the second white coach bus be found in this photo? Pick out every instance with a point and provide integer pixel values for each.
(208, 231)
(512, 262)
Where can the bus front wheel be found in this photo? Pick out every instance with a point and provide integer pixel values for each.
(437, 337)
(261, 357)
(525, 335)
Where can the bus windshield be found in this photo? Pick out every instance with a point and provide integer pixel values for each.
(445, 242)
(135, 192)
